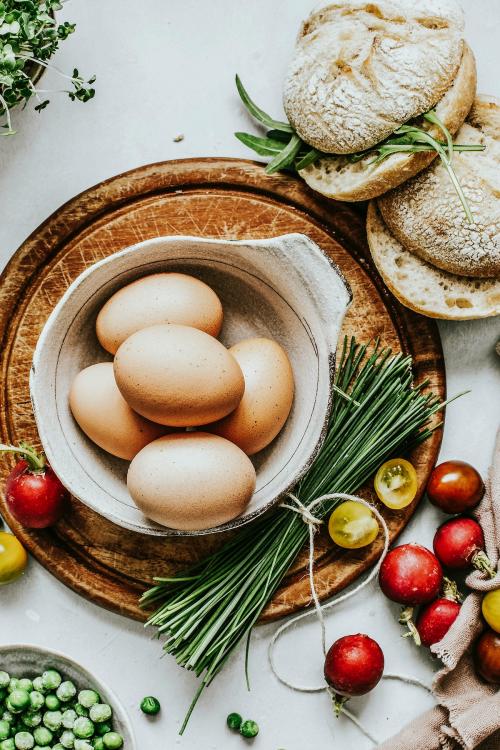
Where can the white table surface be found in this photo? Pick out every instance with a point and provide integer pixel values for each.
(166, 68)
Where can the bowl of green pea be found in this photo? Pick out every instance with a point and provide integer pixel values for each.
(48, 701)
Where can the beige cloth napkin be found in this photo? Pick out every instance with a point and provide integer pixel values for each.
(467, 715)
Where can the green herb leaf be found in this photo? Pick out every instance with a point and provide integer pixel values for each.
(258, 113)
(262, 146)
(309, 158)
(286, 157)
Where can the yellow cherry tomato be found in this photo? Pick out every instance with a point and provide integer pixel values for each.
(352, 525)
(396, 483)
(13, 558)
(491, 609)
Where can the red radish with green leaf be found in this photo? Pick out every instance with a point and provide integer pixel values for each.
(410, 575)
(34, 494)
(353, 666)
(459, 544)
(435, 619)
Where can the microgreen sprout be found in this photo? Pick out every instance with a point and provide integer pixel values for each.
(29, 37)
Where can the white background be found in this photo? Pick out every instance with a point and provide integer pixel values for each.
(166, 67)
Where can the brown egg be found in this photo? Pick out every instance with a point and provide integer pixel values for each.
(178, 376)
(105, 417)
(268, 396)
(159, 298)
(191, 481)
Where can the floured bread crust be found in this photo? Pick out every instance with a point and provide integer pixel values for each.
(426, 216)
(338, 178)
(361, 69)
(424, 288)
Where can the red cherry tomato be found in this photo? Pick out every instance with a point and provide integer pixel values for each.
(354, 665)
(459, 543)
(487, 657)
(410, 575)
(436, 619)
(36, 499)
(455, 487)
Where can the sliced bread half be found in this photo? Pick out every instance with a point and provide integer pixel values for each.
(424, 288)
(426, 216)
(340, 179)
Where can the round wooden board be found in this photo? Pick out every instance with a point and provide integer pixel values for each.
(211, 198)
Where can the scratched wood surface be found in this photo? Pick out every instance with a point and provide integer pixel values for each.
(211, 198)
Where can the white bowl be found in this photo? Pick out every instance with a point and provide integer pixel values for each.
(284, 288)
(24, 660)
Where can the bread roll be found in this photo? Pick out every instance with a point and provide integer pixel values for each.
(362, 69)
(338, 178)
(424, 288)
(427, 217)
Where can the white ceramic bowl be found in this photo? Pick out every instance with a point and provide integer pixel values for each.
(24, 660)
(284, 288)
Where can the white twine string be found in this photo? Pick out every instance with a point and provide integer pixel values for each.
(313, 523)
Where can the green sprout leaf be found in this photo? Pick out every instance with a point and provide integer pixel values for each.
(29, 37)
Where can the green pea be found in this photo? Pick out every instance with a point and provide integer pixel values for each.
(18, 700)
(68, 718)
(24, 741)
(13, 684)
(66, 691)
(52, 720)
(100, 712)
(51, 679)
(38, 685)
(32, 719)
(36, 700)
(58, 746)
(83, 728)
(99, 744)
(52, 702)
(25, 684)
(88, 698)
(67, 739)
(4, 679)
(150, 705)
(43, 736)
(83, 745)
(4, 730)
(249, 729)
(103, 728)
(81, 710)
(7, 716)
(234, 721)
(112, 741)
(7, 744)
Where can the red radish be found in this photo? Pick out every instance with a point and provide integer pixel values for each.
(487, 657)
(455, 486)
(410, 575)
(35, 496)
(353, 666)
(436, 619)
(459, 543)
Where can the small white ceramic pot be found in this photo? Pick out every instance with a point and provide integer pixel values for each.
(24, 660)
(283, 288)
